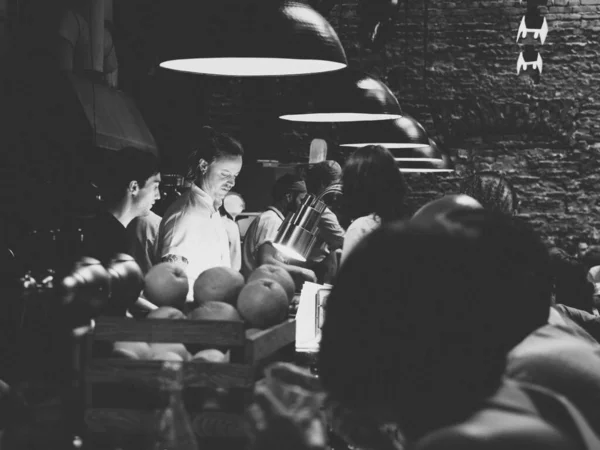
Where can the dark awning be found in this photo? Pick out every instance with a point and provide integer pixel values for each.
(113, 116)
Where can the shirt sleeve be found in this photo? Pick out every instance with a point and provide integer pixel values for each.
(173, 235)
(267, 230)
(235, 246)
(330, 230)
(355, 233)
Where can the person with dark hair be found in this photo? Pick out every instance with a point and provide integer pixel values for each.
(374, 193)
(319, 177)
(129, 190)
(323, 258)
(288, 193)
(192, 231)
(433, 307)
(493, 191)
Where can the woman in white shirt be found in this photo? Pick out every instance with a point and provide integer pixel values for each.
(192, 231)
(374, 192)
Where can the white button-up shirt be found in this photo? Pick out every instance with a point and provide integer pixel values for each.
(192, 230)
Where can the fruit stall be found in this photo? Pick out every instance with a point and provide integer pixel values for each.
(110, 388)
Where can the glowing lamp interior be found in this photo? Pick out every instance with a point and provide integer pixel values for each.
(252, 67)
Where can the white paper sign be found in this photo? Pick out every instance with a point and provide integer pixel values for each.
(308, 316)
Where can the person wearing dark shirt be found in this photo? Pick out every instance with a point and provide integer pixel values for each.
(130, 190)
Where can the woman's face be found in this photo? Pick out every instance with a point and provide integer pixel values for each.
(220, 176)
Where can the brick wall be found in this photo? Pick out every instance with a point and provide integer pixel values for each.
(452, 66)
(545, 137)
(462, 86)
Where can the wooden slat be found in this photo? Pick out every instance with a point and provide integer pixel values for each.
(219, 424)
(267, 342)
(127, 421)
(146, 373)
(206, 332)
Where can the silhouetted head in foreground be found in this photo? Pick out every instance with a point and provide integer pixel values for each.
(445, 205)
(423, 313)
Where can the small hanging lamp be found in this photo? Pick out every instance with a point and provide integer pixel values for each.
(346, 96)
(252, 38)
(402, 133)
(443, 164)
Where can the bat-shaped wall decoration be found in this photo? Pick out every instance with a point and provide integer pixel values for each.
(377, 18)
(529, 59)
(532, 22)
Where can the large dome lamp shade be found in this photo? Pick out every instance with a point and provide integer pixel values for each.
(346, 96)
(402, 133)
(252, 38)
(444, 164)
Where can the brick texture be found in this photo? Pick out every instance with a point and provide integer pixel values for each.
(452, 66)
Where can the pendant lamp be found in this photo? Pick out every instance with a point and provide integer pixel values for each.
(444, 164)
(251, 38)
(403, 133)
(346, 96)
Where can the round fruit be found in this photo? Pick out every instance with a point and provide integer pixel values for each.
(275, 273)
(166, 284)
(218, 284)
(212, 355)
(166, 356)
(263, 303)
(212, 311)
(215, 311)
(165, 312)
(132, 350)
(170, 347)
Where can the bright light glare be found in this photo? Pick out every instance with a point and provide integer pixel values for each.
(387, 145)
(290, 253)
(417, 159)
(338, 117)
(404, 169)
(252, 67)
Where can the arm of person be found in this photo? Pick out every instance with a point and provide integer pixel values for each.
(330, 230)
(267, 254)
(584, 319)
(235, 245)
(172, 238)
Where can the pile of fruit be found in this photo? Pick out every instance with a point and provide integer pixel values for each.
(220, 293)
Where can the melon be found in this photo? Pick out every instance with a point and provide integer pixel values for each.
(166, 284)
(166, 312)
(218, 284)
(211, 355)
(263, 303)
(275, 273)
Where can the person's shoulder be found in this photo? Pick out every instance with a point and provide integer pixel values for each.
(268, 216)
(186, 208)
(364, 223)
(151, 220)
(495, 429)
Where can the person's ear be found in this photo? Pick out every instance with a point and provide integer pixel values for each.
(133, 187)
(203, 166)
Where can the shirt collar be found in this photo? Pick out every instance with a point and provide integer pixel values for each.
(276, 211)
(204, 197)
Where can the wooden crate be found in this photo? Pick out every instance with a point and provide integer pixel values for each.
(247, 357)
